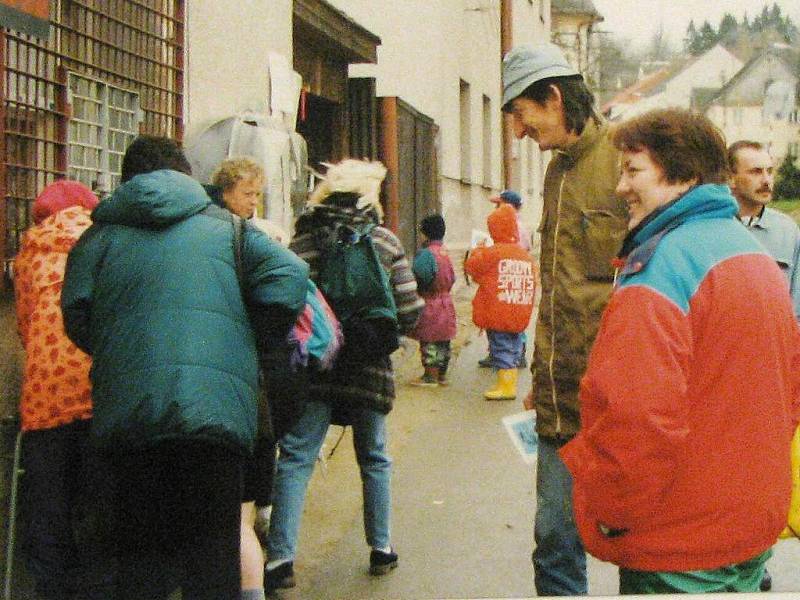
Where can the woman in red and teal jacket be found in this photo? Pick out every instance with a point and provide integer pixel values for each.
(681, 467)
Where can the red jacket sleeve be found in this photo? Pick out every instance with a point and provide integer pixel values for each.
(477, 262)
(633, 408)
(796, 373)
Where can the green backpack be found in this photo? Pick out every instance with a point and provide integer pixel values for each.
(357, 288)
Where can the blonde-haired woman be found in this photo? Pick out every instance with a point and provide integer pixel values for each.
(359, 390)
(238, 185)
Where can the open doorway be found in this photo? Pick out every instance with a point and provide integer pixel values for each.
(319, 130)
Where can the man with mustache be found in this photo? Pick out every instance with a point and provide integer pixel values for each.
(752, 177)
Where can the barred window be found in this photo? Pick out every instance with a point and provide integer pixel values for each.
(105, 119)
(69, 104)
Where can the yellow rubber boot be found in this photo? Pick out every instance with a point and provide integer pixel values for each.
(506, 388)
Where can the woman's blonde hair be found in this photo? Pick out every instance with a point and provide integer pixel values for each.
(360, 177)
(232, 170)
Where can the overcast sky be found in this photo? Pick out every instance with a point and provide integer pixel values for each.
(637, 20)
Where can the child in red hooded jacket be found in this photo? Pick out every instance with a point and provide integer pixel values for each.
(506, 275)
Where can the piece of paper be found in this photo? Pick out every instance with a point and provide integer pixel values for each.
(479, 236)
(285, 86)
(521, 428)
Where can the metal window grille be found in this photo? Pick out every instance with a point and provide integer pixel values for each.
(132, 47)
(105, 119)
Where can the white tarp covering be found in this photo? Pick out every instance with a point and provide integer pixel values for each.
(265, 139)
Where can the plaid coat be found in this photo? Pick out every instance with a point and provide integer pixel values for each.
(369, 385)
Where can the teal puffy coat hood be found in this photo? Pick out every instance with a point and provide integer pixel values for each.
(151, 292)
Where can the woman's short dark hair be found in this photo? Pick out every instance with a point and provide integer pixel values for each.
(149, 153)
(684, 143)
(577, 99)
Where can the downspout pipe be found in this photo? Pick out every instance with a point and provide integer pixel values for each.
(506, 43)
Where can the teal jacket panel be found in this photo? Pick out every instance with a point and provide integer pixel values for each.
(151, 292)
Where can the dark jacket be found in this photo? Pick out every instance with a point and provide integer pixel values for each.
(583, 224)
(151, 292)
(369, 385)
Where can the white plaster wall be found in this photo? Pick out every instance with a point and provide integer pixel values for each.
(427, 48)
(227, 49)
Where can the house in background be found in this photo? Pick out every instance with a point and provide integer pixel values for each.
(573, 22)
(760, 102)
(645, 87)
(676, 84)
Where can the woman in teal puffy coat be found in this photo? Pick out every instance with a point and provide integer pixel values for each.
(152, 293)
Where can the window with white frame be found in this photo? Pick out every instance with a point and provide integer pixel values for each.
(105, 120)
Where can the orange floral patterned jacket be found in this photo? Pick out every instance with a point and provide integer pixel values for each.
(56, 389)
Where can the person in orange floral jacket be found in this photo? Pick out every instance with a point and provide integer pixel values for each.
(55, 406)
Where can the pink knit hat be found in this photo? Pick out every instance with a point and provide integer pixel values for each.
(62, 194)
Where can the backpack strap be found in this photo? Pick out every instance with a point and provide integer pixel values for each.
(217, 212)
(238, 244)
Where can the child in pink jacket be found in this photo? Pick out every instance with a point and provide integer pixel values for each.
(437, 325)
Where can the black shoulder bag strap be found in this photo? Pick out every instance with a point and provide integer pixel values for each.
(212, 210)
(238, 243)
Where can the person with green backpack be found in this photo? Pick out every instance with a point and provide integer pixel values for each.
(362, 270)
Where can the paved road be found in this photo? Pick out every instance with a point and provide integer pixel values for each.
(463, 506)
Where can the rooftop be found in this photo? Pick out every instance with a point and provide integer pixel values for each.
(577, 7)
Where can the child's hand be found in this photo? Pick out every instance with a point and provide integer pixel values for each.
(527, 403)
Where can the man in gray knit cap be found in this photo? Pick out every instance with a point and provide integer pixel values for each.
(582, 228)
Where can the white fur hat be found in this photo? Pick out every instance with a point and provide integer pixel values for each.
(352, 176)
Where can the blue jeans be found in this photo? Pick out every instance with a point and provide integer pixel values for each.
(299, 448)
(559, 560)
(504, 348)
